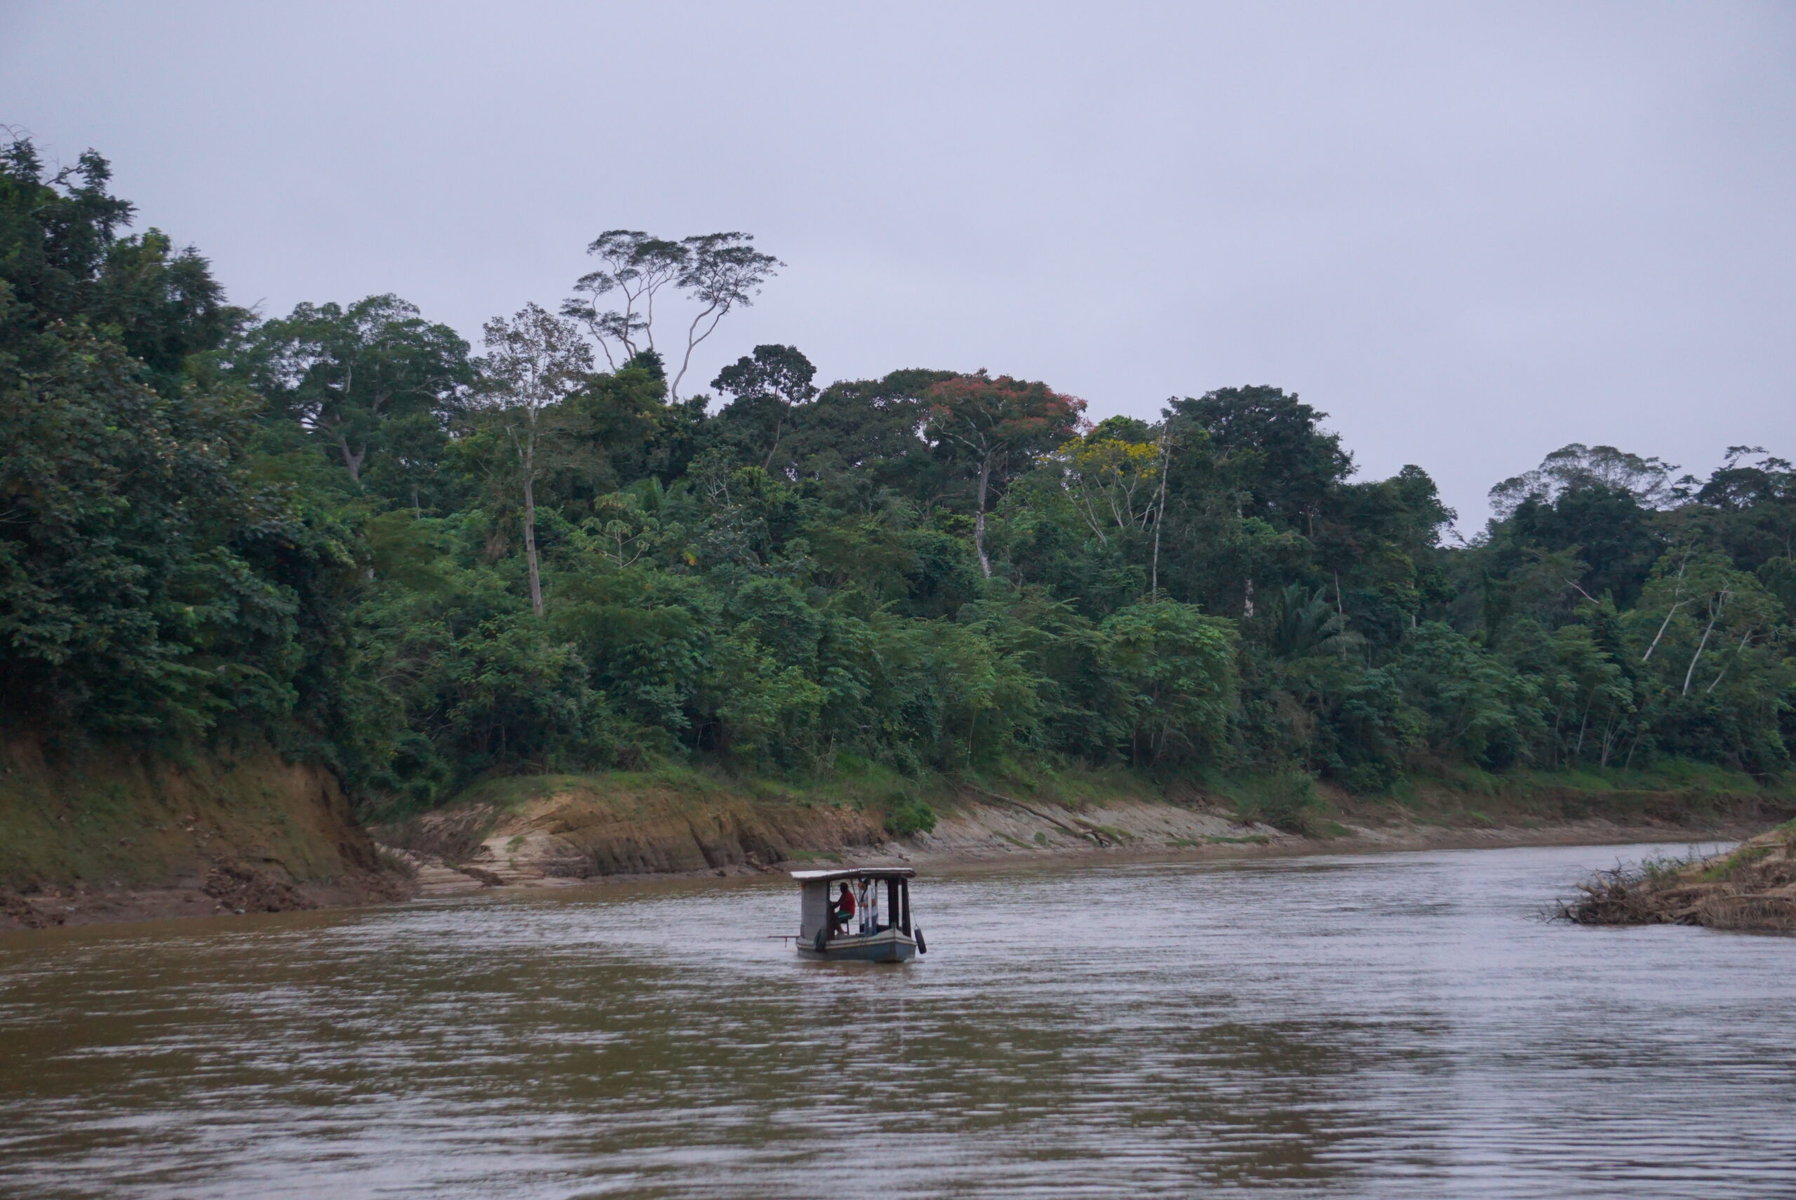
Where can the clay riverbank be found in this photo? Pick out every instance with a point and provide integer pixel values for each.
(111, 835)
(567, 830)
(126, 840)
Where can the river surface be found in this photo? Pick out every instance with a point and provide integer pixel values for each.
(1400, 1025)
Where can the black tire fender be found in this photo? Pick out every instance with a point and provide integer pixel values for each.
(821, 940)
(922, 946)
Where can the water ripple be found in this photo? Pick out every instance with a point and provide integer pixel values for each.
(1390, 1026)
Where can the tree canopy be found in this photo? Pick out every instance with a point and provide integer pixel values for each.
(342, 530)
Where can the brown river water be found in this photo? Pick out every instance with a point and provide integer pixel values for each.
(1399, 1025)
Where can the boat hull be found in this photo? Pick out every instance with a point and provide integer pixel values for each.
(888, 945)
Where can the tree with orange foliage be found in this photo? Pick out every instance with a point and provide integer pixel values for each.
(995, 427)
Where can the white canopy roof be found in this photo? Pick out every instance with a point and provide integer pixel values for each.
(854, 873)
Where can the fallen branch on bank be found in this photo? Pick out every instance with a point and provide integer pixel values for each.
(1750, 888)
(1082, 829)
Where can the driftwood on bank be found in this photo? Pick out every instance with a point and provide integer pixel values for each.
(1750, 888)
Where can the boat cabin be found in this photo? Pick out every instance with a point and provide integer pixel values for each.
(857, 914)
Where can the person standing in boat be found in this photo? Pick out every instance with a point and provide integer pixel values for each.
(869, 907)
(844, 909)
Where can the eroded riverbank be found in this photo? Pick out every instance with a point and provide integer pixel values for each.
(529, 849)
(110, 834)
(554, 831)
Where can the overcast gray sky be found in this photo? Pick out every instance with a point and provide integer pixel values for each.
(1471, 233)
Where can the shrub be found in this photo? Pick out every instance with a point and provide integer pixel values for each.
(1285, 801)
(910, 817)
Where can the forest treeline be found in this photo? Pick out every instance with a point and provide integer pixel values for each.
(348, 531)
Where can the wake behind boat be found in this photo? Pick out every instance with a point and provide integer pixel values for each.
(868, 919)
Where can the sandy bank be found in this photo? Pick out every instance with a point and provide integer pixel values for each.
(576, 833)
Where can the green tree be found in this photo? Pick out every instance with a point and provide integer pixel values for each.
(1267, 450)
(764, 389)
(1172, 671)
(1470, 704)
(147, 585)
(1750, 507)
(859, 442)
(67, 259)
(533, 363)
(1577, 467)
(126, 602)
(363, 378)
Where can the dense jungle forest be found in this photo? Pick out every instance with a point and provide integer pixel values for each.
(349, 532)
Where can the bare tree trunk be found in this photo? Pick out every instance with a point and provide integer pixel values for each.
(352, 462)
(779, 430)
(1160, 507)
(1671, 612)
(524, 443)
(693, 338)
(527, 452)
(985, 474)
(1722, 674)
(536, 578)
(1694, 658)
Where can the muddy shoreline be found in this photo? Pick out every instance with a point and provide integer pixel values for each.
(439, 879)
(226, 894)
(982, 836)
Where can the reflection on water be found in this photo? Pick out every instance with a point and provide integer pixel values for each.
(1389, 1026)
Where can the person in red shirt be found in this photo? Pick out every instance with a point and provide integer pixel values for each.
(843, 912)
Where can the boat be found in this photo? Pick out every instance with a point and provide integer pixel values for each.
(880, 928)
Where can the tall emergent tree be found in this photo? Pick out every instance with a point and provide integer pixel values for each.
(1579, 467)
(997, 427)
(716, 271)
(533, 362)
